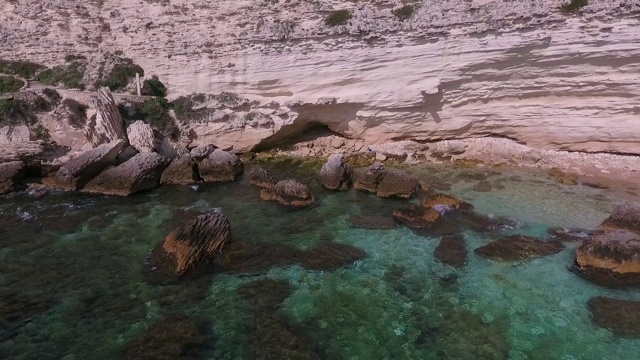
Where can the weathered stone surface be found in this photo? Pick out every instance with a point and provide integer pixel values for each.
(329, 256)
(621, 317)
(76, 173)
(220, 166)
(370, 178)
(624, 217)
(170, 149)
(572, 235)
(26, 152)
(519, 248)
(442, 202)
(417, 216)
(261, 178)
(335, 173)
(265, 293)
(398, 183)
(191, 246)
(289, 192)
(126, 154)
(107, 125)
(10, 173)
(202, 151)
(452, 250)
(141, 136)
(371, 222)
(141, 172)
(181, 171)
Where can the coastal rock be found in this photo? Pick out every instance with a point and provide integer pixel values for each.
(290, 193)
(202, 151)
(370, 178)
(220, 166)
(107, 125)
(330, 256)
(624, 217)
(181, 171)
(452, 250)
(141, 136)
(371, 222)
(335, 173)
(170, 149)
(621, 317)
(126, 154)
(610, 259)
(398, 183)
(266, 293)
(27, 152)
(417, 216)
(261, 178)
(572, 235)
(190, 246)
(10, 174)
(77, 172)
(442, 202)
(519, 248)
(141, 172)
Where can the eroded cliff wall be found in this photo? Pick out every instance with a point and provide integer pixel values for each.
(518, 69)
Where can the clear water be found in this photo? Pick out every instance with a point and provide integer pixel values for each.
(71, 283)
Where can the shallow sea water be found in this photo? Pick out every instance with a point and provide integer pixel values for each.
(72, 286)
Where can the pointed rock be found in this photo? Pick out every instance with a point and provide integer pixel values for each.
(107, 125)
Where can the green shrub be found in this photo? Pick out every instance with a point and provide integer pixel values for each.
(229, 98)
(77, 112)
(183, 106)
(574, 5)
(16, 112)
(41, 133)
(338, 17)
(120, 75)
(404, 12)
(156, 113)
(69, 76)
(25, 69)
(53, 95)
(153, 87)
(10, 84)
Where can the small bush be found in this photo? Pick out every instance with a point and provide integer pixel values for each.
(53, 95)
(183, 106)
(153, 87)
(118, 78)
(77, 112)
(338, 17)
(41, 133)
(10, 84)
(574, 5)
(229, 98)
(404, 12)
(16, 112)
(69, 76)
(25, 69)
(156, 113)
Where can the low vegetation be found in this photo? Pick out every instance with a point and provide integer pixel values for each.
(120, 75)
(10, 84)
(574, 5)
(404, 12)
(68, 76)
(20, 112)
(183, 106)
(229, 99)
(338, 17)
(153, 87)
(24, 69)
(77, 112)
(40, 132)
(154, 112)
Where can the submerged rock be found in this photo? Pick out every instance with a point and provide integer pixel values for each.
(417, 216)
(335, 173)
(452, 250)
(329, 256)
(562, 177)
(76, 173)
(141, 172)
(487, 223)
(191, 245)
(220, 166)
(266, 293)
(624, 217)
(621, 317)
(518, 248)
(261, 178)
(253, 259)
(274, 338)
(289, 193)
(370, 178)
(371, 222)
(10, 174)
(181, 171)
(610, 259)
(398, 183)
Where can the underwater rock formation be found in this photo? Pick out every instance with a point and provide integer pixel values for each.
(335, 173)
(519, 248)
(417, 216)
(452, 250)
(266, 293)
(371, 222)
(443, 202)
(220, 166)
(261, 178)
(621, 317)
(289, 193)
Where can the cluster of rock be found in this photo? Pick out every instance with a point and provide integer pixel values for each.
(287, 192)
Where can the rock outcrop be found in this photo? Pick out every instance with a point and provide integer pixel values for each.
(289, 193)
(220, 166)
(624, 217)
(140, 135)
(335, 173)
(190, 246)
(107, 125)
(10, 174)
(387, 182)
(261, 178)
(141, 172)
(370, 178)
(77, 172)
(443, 202)
(417, 216)
(621, 317)
(519, 248)
(181, 171)
(610, 259)
(202, 151)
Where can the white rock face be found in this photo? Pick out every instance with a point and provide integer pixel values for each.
(141, 137)
(107, 125)
(456, 69)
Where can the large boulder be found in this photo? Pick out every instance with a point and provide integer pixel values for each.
(107, 125)
(335, 173)
(188, 248)
(141, 136)
(10, 173)
(139, 173)
(398, 183)
(610, 259)
(417, 216)
(370, 178)
(220, 166)
(519, 248)
(77, 172)
(261, 178)
(624, 217)
(621, 317)
(181, 171)
(289, 192)
(202, 151)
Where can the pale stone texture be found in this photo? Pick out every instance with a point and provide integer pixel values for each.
(107, 125)
(141, 137)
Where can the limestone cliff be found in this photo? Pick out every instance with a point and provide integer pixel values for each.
(519, 69)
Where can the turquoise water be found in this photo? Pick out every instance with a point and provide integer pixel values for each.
(72, 286)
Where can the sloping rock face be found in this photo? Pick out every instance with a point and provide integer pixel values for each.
(220, 166)
(10, 173)
(624, 217)
(107, 125)
(77, 172)
(141, 172)
(335, 173)
(181, 171)
(519, 248)
(140, 135)
(191, 245)
(289, 193)
(396, 86)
